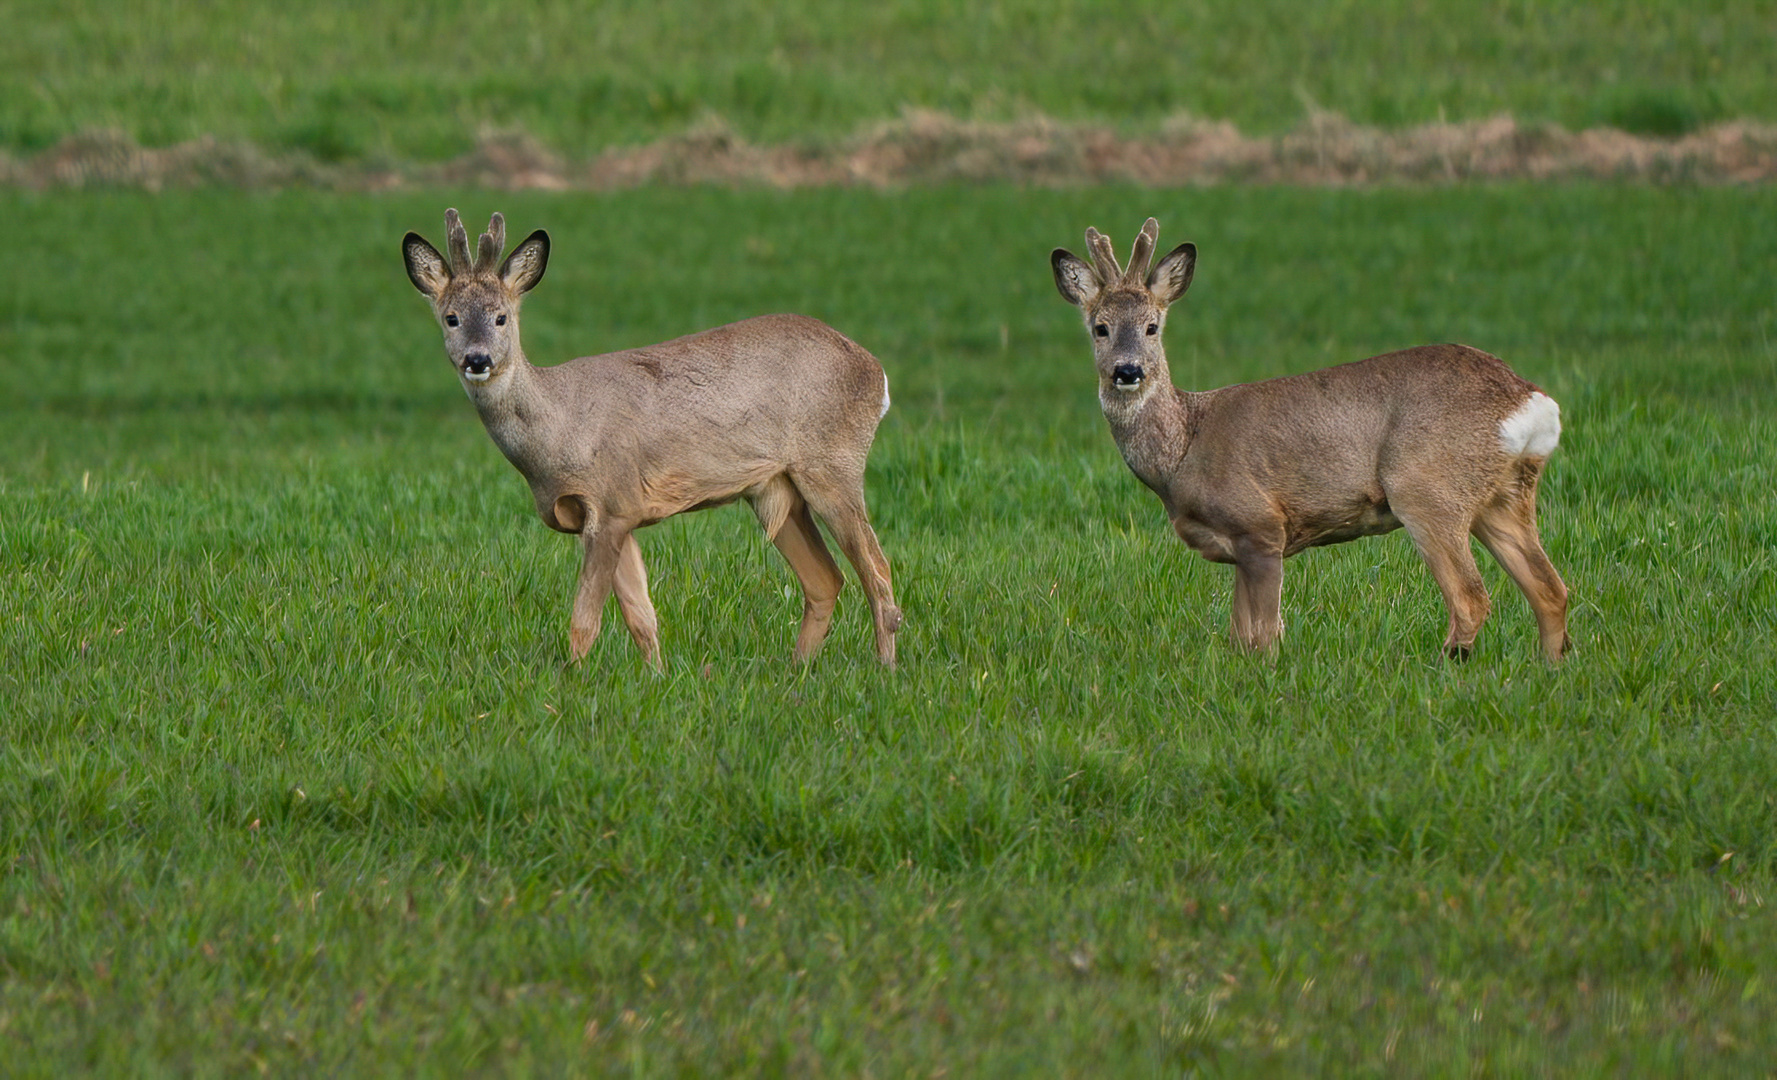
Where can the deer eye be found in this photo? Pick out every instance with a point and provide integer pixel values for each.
(451, 319)
(1102, 330)
(500, 319)
(1153, 328)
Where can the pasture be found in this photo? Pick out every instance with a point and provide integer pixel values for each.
(295, 776)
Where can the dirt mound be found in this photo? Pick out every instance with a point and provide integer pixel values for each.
(926, 147)
(114, 159)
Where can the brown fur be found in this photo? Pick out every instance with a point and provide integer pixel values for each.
(1254, 473)
(779, 410)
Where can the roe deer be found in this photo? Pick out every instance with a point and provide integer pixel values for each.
(779, 410)
(1442, 440)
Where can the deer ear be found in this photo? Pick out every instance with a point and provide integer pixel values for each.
(1077, 282)
(1172, 277)
(524, 267)
(425, 267)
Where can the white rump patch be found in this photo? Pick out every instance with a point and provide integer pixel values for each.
(1534, 430)
(885, 397)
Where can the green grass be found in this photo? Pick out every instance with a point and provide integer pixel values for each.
(294, 776)
(378, 81)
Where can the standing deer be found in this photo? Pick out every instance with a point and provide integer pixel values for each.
(779, 410)
(1442, 440)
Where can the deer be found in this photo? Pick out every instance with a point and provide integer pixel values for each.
(778, 410)
(1444, 441)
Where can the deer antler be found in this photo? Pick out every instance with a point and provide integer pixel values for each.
(493, 242)
(457, 239)
(1143, 253)
(1104, 260)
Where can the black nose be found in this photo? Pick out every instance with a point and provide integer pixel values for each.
(478, 363)
(1126, 374)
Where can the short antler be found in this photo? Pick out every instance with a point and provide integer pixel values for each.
(1143, 254)
(457, 239)
(493, 242)
(1104, 260)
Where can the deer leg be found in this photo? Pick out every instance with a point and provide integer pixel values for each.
(1447, 553)
(1258, 597)
(631, 583)
(603, 546)
(800, 541)
(841, 505)
(1509, 532)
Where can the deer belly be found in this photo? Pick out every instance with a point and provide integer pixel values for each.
(1372, 520)
(669, 492)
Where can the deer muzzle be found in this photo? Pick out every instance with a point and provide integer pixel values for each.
(477, 366)
(1127, 376)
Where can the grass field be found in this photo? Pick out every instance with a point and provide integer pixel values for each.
(293, 775)
(351, 81)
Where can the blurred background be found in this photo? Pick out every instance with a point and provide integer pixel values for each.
(381, 84)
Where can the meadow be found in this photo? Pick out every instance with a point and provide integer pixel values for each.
(346, 80)
(294, 776)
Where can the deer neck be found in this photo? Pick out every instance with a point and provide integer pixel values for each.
(1152, 429)
(519, 415)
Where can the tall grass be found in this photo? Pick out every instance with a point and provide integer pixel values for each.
(295, 775)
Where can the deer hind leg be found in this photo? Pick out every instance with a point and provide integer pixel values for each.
(1507, 528)
(1445, 548)
(1258, 597)
(840, 503)
(631, 583)
(784, 513)
(599, 567)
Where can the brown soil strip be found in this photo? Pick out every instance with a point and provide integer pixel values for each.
(923, 147)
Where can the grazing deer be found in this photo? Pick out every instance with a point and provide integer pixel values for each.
(779, 410)
(1442, 440)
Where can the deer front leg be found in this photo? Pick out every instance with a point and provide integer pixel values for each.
(631, 583)
(1258, 596)
(603, 547)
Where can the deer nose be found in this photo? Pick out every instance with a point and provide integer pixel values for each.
(1127, 375)
(478, 363)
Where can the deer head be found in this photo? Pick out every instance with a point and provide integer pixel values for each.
(1125, 309)
(476, 304)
